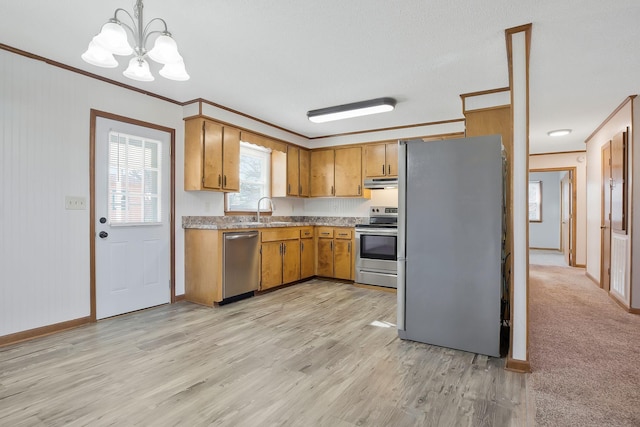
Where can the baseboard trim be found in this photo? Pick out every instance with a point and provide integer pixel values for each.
(580, 266)
(634, 310)
(620, 302)
(42, 331)
(520, 366)
(593, 279)
(179, 298)
(545, 249)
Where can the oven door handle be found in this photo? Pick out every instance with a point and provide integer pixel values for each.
(376, 233)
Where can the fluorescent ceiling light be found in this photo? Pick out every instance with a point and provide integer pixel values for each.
(356, 109)
(559, 132)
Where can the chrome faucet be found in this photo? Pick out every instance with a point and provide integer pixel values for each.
(273, 206)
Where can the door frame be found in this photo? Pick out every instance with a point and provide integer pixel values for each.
(574, 205)
(95, 114)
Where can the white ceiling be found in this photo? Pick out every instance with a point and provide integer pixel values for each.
(275, 60)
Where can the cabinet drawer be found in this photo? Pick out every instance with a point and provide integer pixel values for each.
(291, 233)
(343, 233)
(324, 232)
(306, 232)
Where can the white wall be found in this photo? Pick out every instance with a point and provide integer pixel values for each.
(578, 160)
(546, 234)
(44, 156)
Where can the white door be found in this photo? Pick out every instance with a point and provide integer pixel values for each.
(132, 207)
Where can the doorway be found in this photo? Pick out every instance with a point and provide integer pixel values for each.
(132, 210)
(552, 237)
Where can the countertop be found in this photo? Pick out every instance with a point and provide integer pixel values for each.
(244, 222)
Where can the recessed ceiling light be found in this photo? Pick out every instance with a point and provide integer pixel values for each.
(559, 132)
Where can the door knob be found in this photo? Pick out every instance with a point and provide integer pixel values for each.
(103, 234)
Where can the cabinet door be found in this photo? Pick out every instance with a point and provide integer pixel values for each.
(212, 167)
(348, 171)
(392, 159)
(293, 171)
(322, 173)
(271, 267)
(291, 261)
(231, 159)
(342, 259)
(374, 161)
(307, 258)
(325, 257)
(304, 161)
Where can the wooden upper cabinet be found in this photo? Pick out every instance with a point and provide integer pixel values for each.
(305, 165)
(230, 159)
(375, 161)
(348, 171)
(212, 156)
(322, 173)
(391, 153)
(381, 160)
(293, 171)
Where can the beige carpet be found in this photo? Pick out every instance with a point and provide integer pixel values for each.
(584, 352)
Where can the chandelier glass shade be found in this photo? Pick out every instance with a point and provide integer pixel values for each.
(114, 40)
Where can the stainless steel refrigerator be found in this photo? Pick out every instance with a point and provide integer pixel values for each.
(450, 229)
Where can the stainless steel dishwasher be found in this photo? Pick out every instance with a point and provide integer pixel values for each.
(241, 263)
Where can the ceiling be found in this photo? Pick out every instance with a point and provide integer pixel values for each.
(275, 60)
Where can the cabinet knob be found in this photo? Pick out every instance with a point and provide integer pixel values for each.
(389, 169)
(289, 188)
(225, 181)
(358, 189)
(219, 180)
(382, 169)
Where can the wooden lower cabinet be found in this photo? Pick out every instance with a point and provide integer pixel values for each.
(271, 268)
(342, 259)
(280, 258)
(307, 258)
(335, 252)
(203, 266)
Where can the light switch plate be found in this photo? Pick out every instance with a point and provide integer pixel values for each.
(75, 203)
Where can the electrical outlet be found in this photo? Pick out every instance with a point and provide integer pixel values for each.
(75, 203)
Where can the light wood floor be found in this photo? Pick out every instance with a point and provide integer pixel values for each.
(306, 355)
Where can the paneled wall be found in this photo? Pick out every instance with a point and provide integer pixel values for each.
(44, 156)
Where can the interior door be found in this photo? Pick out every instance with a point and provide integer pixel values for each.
(565, 207)
(132, 209)
(605, 225)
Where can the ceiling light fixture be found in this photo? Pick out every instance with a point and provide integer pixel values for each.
(356, 109)
(559, 132)
(112, 40)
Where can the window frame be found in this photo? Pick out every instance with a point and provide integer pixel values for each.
(266, 154)
(126, 191)
(535, 200)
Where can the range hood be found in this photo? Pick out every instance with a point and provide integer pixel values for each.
(380, 183)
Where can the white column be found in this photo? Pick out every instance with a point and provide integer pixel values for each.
(520, 195)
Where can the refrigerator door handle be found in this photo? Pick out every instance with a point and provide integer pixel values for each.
(402, 229)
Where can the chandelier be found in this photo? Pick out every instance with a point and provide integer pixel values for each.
(112, 40)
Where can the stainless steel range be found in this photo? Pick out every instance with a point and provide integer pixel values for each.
(377, 248)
